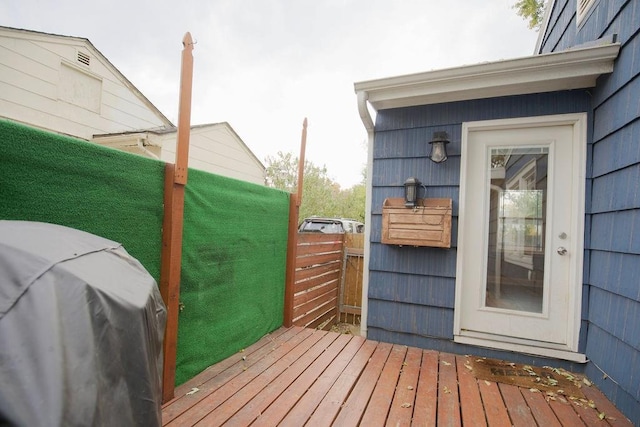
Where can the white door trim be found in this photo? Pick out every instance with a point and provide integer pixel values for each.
(579, 123)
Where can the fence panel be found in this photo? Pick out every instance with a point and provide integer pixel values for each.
(317, 279)
(350, 306)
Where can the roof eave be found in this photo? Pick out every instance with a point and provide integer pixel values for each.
(572, 69)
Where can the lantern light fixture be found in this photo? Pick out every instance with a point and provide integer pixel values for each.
(439, 147)
(411, 186)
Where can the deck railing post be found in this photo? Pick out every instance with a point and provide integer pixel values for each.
(171, 258)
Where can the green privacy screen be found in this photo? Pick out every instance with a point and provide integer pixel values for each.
(235, 233)
(233, 268)
(50, 178)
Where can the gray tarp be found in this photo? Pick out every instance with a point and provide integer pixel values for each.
(81, 330)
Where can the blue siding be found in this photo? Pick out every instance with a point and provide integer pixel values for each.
(411, 290)
(612, 245)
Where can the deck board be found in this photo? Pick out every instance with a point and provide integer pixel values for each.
(297, 376)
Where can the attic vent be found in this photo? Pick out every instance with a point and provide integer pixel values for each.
(583, 8)
(83, 58)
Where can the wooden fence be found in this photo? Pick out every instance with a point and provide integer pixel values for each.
(328, 279)
(350, 299)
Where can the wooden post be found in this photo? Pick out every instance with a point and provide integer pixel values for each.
(175, 180)
(292, 242)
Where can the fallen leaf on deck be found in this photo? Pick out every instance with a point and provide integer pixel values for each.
(193, 391)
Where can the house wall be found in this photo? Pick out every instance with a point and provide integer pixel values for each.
(217, 149)
(411, 289)
(44, 84)
(613, 274)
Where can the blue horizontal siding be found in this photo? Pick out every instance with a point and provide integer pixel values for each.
(412, 289)
(617, 191)
(608, 17)
(623, 400)
(414, 142)
(618, 150)
(395, 172)
(618, 273)
(451, 114)
(627, 67)
(411, 260)
(411, 318)
(617, 111)
(616, 315)
(616, 358)
(616, 231)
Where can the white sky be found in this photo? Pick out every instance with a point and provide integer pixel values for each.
(265, 65)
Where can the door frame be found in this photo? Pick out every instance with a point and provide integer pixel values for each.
(569, 351)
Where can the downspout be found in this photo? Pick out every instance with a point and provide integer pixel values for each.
(365, 116)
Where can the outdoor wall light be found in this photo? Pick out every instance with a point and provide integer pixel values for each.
(438, 147)
(411, 192)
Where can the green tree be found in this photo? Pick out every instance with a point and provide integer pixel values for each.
(531, 10)
(321, 196)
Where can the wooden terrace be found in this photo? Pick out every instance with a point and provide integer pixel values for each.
(299, 376)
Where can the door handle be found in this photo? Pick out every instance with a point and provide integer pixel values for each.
(562, 250)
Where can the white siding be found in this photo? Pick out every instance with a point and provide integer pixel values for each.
(43, 84)
(216, 148)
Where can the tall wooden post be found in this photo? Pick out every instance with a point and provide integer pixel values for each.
(175, 181)
(292, 243)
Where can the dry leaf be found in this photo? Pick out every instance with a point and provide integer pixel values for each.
(487, 382)
(446, 389)
(534, 390)
(586, 382)
(409, 387)
(406, 405)
(602, 416)
(469, 367)
(445, 363)
(193, 391)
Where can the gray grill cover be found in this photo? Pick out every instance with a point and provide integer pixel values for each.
(81, 330)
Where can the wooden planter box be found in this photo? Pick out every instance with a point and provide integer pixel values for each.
(428, 224)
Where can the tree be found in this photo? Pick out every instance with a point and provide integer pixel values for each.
(531, 10)
(321, 196)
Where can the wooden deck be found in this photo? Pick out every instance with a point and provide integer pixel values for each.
(296, 376)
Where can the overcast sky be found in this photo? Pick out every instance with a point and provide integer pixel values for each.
(265, 65)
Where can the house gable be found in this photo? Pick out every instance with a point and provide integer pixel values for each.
(64, 84)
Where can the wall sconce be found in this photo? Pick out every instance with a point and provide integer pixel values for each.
(438, 147)
(411, 192)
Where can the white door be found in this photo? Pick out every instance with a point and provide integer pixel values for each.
(518, 283)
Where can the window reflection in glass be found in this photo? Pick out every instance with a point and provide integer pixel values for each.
(517, 217)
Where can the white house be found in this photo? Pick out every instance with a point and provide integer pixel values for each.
(65, 85)
(215, 148)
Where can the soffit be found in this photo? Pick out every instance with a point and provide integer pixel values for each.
(571, 69)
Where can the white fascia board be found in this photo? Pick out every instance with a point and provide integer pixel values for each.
(571, 69)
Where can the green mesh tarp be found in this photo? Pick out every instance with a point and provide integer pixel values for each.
(235, 233)
(51, 178)
(233, 268)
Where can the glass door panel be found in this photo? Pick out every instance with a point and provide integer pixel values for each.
(517, 222)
